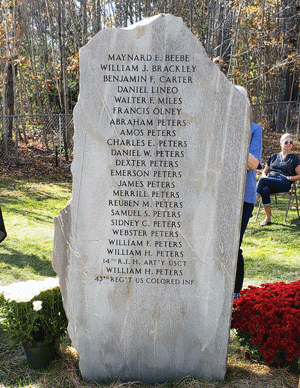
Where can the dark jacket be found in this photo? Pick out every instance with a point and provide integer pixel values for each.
(2, 228)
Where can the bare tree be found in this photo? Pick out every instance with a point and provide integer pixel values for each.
(285, 68)
(255, 43)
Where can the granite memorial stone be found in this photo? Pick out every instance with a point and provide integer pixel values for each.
(146, 250)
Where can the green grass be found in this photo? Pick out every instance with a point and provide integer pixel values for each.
(28, 210)
(272, 253)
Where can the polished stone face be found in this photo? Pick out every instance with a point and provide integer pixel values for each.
(146, 251)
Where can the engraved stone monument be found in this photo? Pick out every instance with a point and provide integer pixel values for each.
(146, 250)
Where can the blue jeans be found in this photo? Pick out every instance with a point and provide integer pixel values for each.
(271, 185)
(239, 278)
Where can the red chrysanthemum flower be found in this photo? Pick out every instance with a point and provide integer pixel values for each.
(267, 318)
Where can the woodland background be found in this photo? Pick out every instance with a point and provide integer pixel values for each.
(255, 43)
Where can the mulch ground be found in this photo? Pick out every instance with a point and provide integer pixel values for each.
(35, 163)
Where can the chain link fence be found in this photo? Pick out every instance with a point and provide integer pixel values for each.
(42, 137)
(50, 137)
(278, 117)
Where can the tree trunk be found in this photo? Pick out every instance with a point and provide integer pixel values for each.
(8, 84)
(64, 62)
(84, 22)
(97, 16)
(9, 98)
(283, 96)
(61, 92)
(224, 36)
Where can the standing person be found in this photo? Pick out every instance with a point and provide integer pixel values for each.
(254, 160)
(2, 228)
(280, 171)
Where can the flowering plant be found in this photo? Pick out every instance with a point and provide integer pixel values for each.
(34, 311)
(267, 322)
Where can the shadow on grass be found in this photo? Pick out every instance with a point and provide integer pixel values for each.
(28, 194)
(34, 192)
(34, 203)
(267, 271)
(292, 228)
(296, 221)
(58, 179)
(27, 211)
(16, 259)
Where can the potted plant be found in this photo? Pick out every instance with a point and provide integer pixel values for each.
(266, 320)
(34, 313)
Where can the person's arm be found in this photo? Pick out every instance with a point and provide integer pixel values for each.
(265, 171)
(255, 148)
(295, 178)
(267, 168)
(253, 162)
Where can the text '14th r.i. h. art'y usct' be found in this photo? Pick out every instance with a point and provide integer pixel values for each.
(146, 250)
